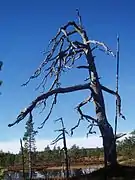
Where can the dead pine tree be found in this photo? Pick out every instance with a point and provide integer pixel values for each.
(23, 163)
(66, 48)
(62, 136)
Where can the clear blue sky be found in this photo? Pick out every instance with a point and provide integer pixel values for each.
(25, 29)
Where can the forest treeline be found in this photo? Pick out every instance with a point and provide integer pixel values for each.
(125, 149)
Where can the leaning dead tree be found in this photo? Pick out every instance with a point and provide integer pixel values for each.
(62, 136)
(70, 44)
(23, 162)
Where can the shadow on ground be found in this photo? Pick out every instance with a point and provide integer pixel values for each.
(119, 172)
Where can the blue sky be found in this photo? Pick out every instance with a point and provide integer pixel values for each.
(25, 29)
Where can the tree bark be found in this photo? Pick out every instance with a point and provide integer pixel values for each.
(29, 159)
(66, 155)
(105, 128)
(22, 159)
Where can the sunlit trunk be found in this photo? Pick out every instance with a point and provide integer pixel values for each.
(105, 128)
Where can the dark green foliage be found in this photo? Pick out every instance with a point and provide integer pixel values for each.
(29, 150)
(126, 147)
(29, 136)
(76, 153)
(7, 159)
(48, 156)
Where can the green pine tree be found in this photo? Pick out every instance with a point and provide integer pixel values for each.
(29, 144)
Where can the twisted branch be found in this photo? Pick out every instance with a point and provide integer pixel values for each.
(118, 99)
(103, 46)
(82, 115)
(45, 96)
(53, 103)
(59, 58)
(77, 125)
(57, 139)
(90, 126)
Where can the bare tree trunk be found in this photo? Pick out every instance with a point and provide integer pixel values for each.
(29, 159)
(106, 130)
(66, 155)
(22, 159)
